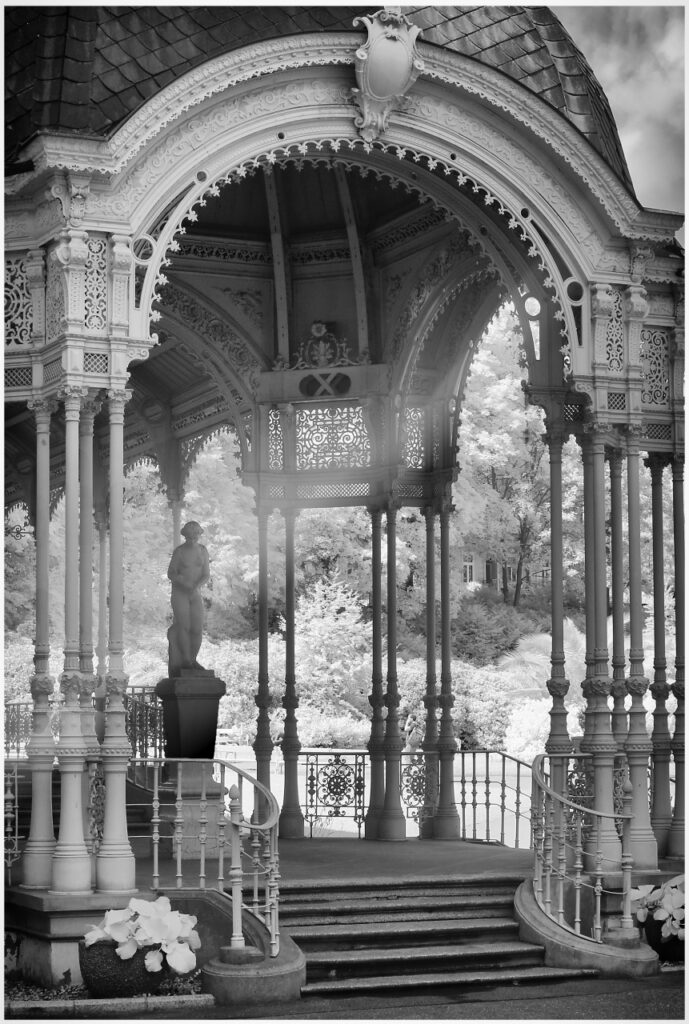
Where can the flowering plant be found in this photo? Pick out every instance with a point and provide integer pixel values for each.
(151, 923)
(665, 902)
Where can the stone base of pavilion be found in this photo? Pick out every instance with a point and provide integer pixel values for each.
(44, 931)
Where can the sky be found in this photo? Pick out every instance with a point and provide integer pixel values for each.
(637, 55)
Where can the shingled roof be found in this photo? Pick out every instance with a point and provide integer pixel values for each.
(86, 69)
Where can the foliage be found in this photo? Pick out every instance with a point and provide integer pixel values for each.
(170, 935)
(483, 629)
(666, 902)
(319, 730)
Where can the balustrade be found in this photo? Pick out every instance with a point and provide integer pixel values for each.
(569, 842)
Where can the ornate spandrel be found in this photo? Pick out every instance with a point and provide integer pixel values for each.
(18, 309)
(413, 425)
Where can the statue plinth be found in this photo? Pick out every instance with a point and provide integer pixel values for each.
(190, 712)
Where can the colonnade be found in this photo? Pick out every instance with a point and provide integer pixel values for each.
(615, 737)
(385, 819)
(87, 854)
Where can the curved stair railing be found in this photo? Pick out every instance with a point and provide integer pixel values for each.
(213, 823)
(569, 858)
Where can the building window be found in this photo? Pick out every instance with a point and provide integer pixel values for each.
(468, 569)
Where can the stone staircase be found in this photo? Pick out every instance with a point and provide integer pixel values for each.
(360, 938)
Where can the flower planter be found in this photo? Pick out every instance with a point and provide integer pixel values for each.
(107, 976)
(671, 949)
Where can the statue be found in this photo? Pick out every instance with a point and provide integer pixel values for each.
(188, 571)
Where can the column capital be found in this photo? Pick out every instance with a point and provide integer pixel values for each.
(117, 400)
(72, 395)
(42, 408)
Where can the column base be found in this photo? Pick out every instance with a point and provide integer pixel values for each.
(644, 851)
(446, 825)
(291, 825)
(392, 827)
(36, 865)
(116, 871)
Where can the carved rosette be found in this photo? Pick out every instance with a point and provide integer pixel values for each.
(386, 67)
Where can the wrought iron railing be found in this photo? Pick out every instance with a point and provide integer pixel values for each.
(18, 718)
(492, 789)
(217, 826)
(494, 797)
(570, 862)
(12, 837)
(144, 726)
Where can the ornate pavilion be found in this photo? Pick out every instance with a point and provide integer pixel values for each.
(298, 222)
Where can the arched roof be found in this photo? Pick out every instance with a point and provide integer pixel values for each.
(86, 69)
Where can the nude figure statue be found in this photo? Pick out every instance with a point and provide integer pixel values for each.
(188, 572)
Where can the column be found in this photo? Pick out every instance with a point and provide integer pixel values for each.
(37, 858)
(675, 847)
(71, 869)
(115, 866)
(291, 816)
(661, 809)
(102, 645)
(92, 778)
(430, 700)
(558, 745)
(263, 745)
(619, 663)
(589, 589)
(392, 825)
(638, 746)
(446, 824)
(599, 742)
(376, 698)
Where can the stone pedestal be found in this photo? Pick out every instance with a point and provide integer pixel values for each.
(190, 712)
(190, 717)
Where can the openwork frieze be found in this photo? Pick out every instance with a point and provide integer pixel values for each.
(614, 335)
(96, 287)
(655, 366)
(275, 448)
(18, 310)
(331, 437)
(413, 437)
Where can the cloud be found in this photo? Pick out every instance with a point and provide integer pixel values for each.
(637, 55)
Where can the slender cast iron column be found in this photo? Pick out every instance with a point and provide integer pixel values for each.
(391, 824)
(291, 817)
(91, 779)
(661, 810)
(589, 587)
(446, 824)
(430, 700)
(638, 746)
(115, 867)
(600, 742)
(675, 847)
(36, 864)
(376, 698)
(558, 745)
(263, 745)
(102, 645)
(71, 861)
(619, 685)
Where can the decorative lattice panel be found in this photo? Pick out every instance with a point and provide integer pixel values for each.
(617, 401)
(275, 451)
(408, 490)
(658, 431)
(614, 335)
(96, 362)
(333, 490)
(413, 453)
(18, 309)
(52, 371)
(96, 287)
(573, 413)
(332, 437)
(18, 376)
(655, 367)
(276, 491)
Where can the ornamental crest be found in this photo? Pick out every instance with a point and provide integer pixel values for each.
(322, 348)
(386, 67)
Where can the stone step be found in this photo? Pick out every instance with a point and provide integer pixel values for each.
(339, 936)
(343, 963)
(461, 979)
(334, 915)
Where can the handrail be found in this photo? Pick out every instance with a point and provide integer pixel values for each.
(570, 845)
(193, 802)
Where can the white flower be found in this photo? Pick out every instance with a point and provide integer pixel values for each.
(150, 923)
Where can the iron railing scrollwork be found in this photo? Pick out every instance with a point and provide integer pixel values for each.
(335, 785)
